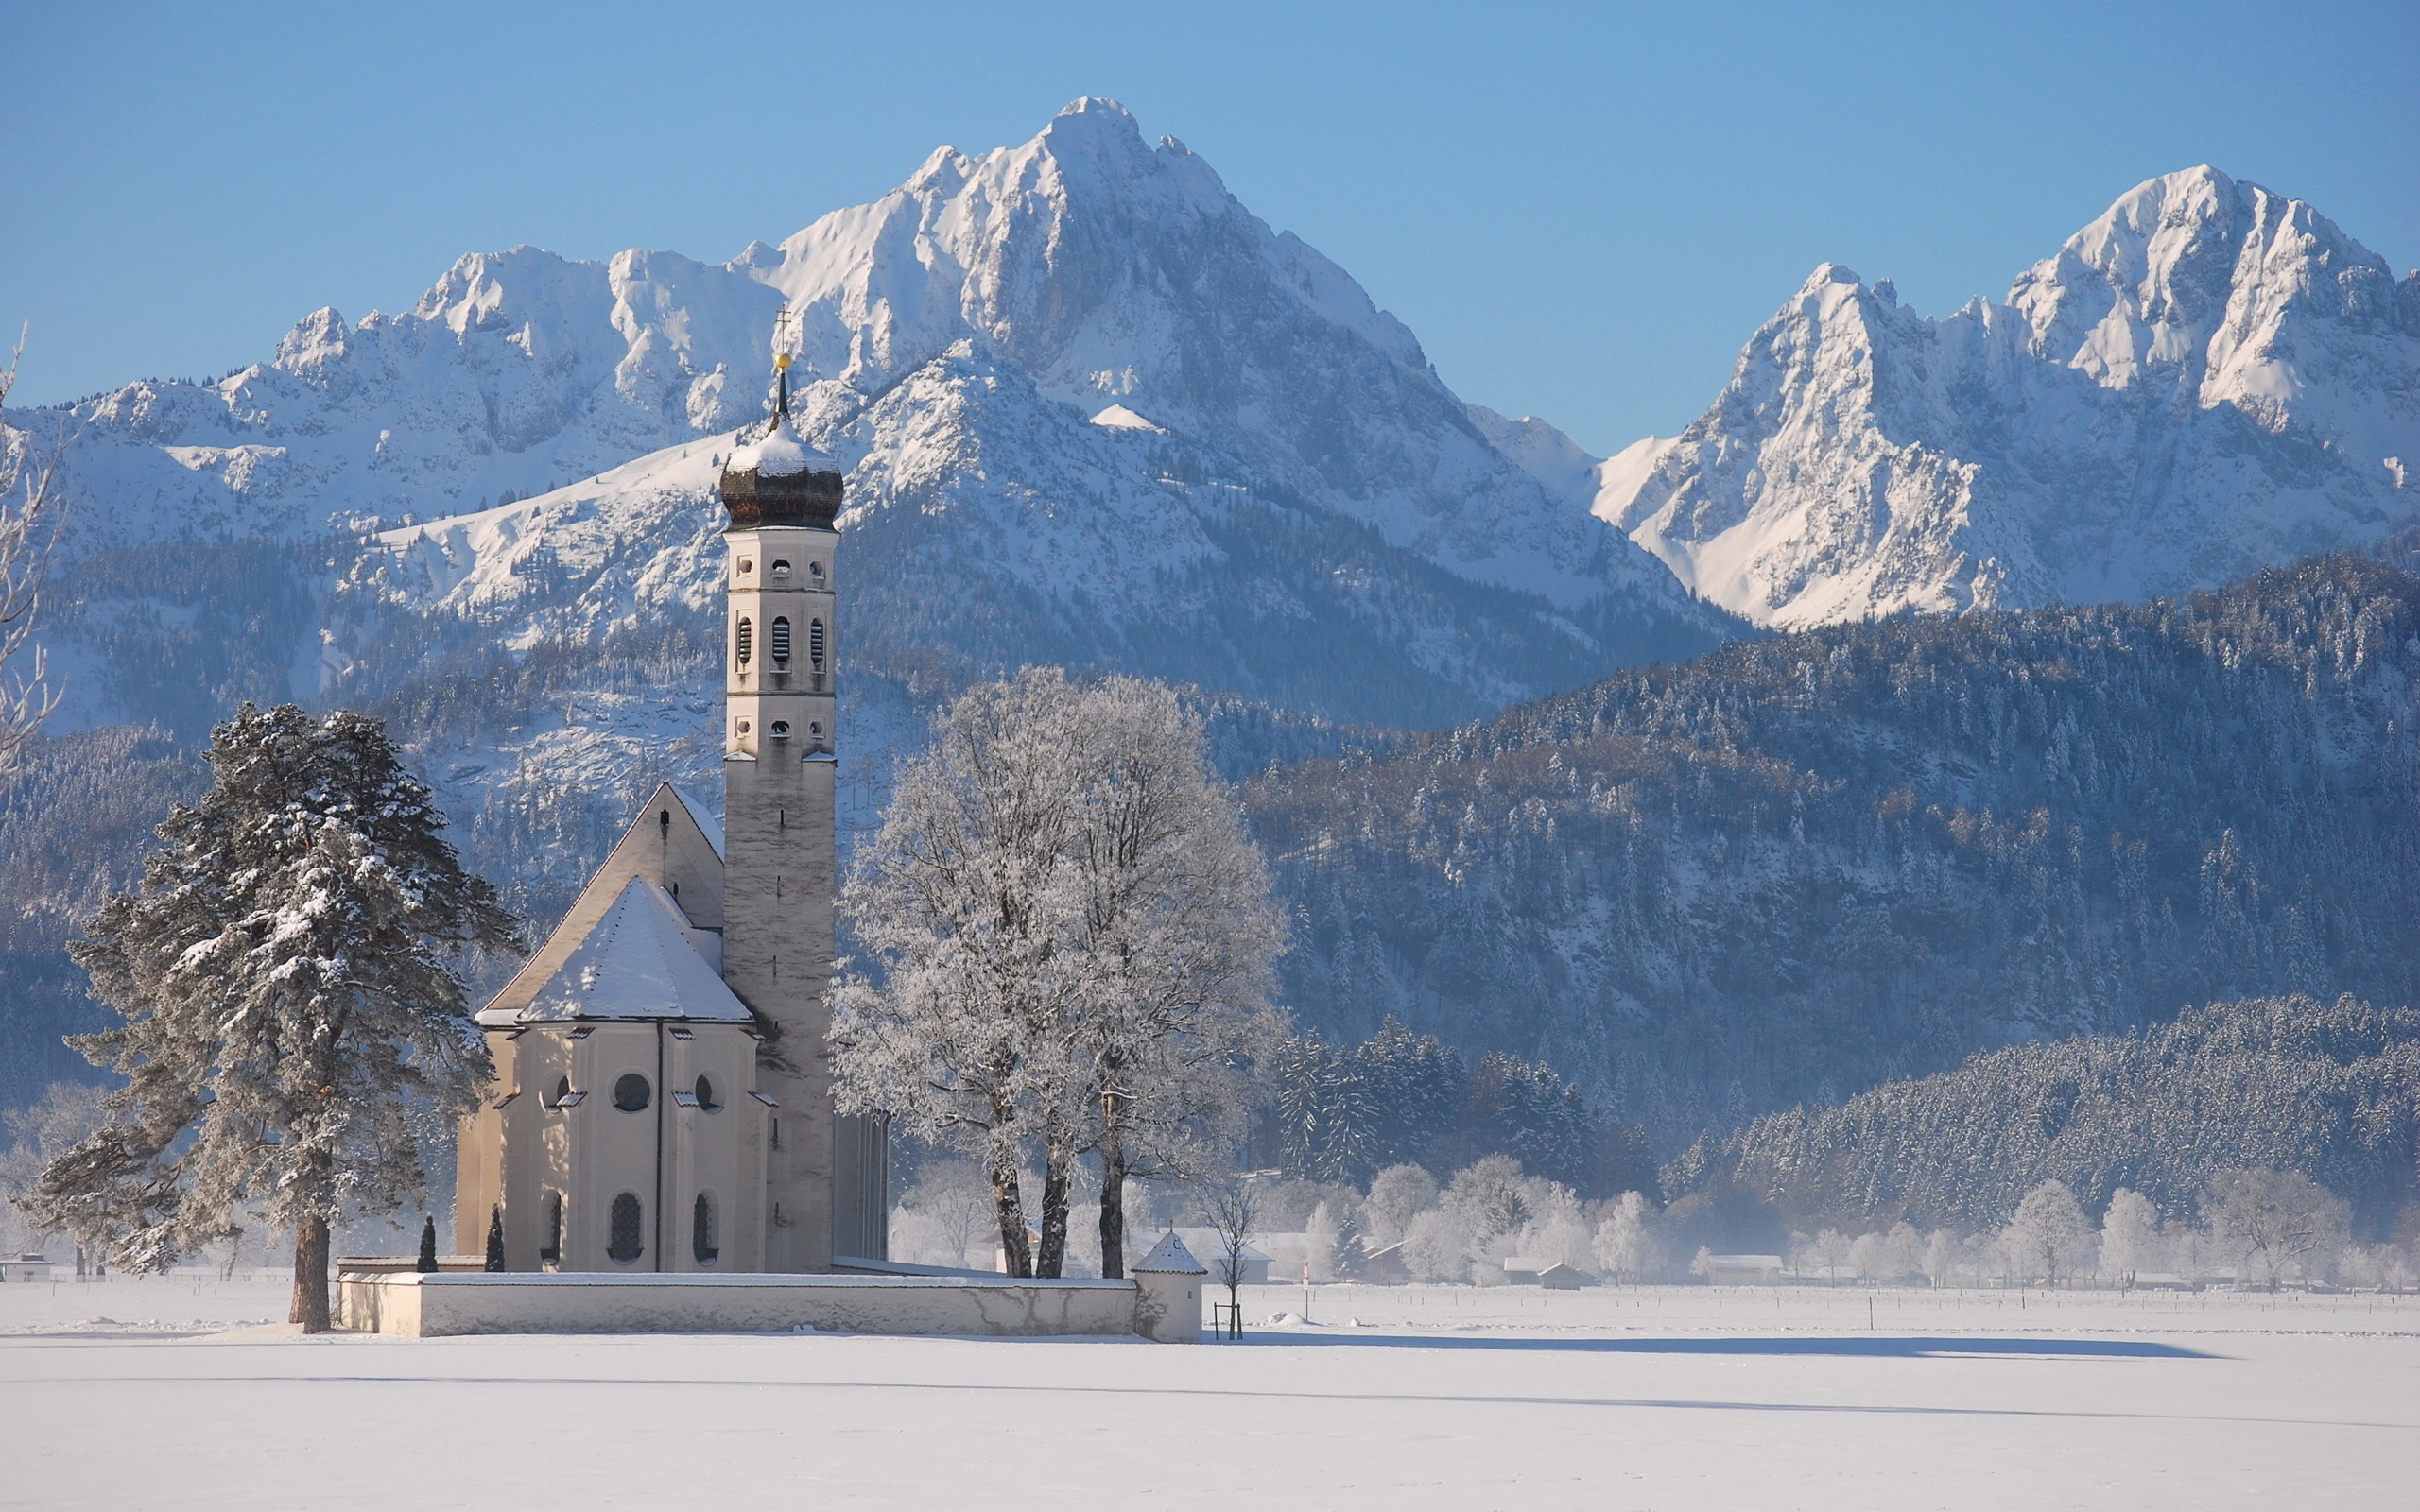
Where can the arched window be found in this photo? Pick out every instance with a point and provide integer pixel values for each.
(815, 644)
(624, 1244)
(780, 639)
(631, 1092)
(815, 572)
(551, 1237)
(706, 1095)
(781, 729)
(781, 569)
(702, 1232)
(562, 1090)
(747, 640)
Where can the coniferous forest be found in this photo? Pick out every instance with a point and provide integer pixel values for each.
(1803, 865)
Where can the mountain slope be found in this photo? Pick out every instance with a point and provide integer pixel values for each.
(1803, 865)
(2208, 379)
(2281, 1083)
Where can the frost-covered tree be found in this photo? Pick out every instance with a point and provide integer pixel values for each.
(1828, 1252)
(2269, 1222)
(1324, 1244)
(1625, 1247)
(1487, 1201)
(952, 1200)
(292, 1018)
(1398, 1194)
(1074, 938)
(30, 513)
(2049, 1237)
(64, 1115)
(1437, 1247)
(1175, 949)
(965, 898)
(2128, 1236)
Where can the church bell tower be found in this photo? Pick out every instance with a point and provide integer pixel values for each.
(826, 1187)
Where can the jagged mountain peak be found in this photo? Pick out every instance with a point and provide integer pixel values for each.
(2210, 378)
(959, 339)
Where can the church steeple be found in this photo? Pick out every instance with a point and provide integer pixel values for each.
(824, 1186)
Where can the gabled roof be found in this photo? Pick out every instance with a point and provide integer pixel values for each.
(671, 843)
(703, 817)
(641, 960)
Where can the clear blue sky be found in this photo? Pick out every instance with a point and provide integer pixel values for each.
(1582, 209)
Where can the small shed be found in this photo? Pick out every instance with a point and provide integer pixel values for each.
(1384, 1267)
(1561, 1277)
(1520, 1270)
(25, 1268)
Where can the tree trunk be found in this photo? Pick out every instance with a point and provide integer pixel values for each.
(1055, 1162)
(311, 1275)
(1112, 1201)
(1011, 1204)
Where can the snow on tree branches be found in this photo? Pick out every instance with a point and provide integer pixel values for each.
(293, 1025)
(1075, 940)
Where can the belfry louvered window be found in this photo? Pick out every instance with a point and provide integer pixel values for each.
(703, 1245)
(815, 644)
(781, 641)
(624, 1244)
(747, 640)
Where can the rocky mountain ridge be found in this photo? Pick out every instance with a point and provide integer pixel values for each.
(2208, 379)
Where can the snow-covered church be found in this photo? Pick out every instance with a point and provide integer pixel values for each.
(663, 1094)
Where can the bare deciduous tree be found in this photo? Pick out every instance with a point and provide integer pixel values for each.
(1233, 1208)
(2267, 1221)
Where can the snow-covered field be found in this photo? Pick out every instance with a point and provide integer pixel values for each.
(157, 1393)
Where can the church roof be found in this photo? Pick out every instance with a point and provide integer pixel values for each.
(640, 960)
(703, 818)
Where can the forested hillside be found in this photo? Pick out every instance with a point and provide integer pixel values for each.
(1800, 866)
(2280, 1084)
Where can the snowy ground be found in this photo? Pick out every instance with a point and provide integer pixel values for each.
(170, 1393)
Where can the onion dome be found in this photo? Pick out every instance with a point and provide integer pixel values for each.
(779, 478)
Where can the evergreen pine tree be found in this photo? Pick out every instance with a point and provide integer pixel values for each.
(290, 1015)
(496, 1239)
(427, 1247)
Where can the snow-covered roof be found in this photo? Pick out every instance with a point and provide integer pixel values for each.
(781, 453)
(1169, 1254)
(640, 962)
(705, 820)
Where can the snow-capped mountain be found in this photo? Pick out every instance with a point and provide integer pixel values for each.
(2207, 379)
(1094, 411)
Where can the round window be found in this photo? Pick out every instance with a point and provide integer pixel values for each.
(562, 1090)
(631, 1093)
(706, 1095)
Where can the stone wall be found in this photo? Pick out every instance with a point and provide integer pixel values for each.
(428, 1306)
